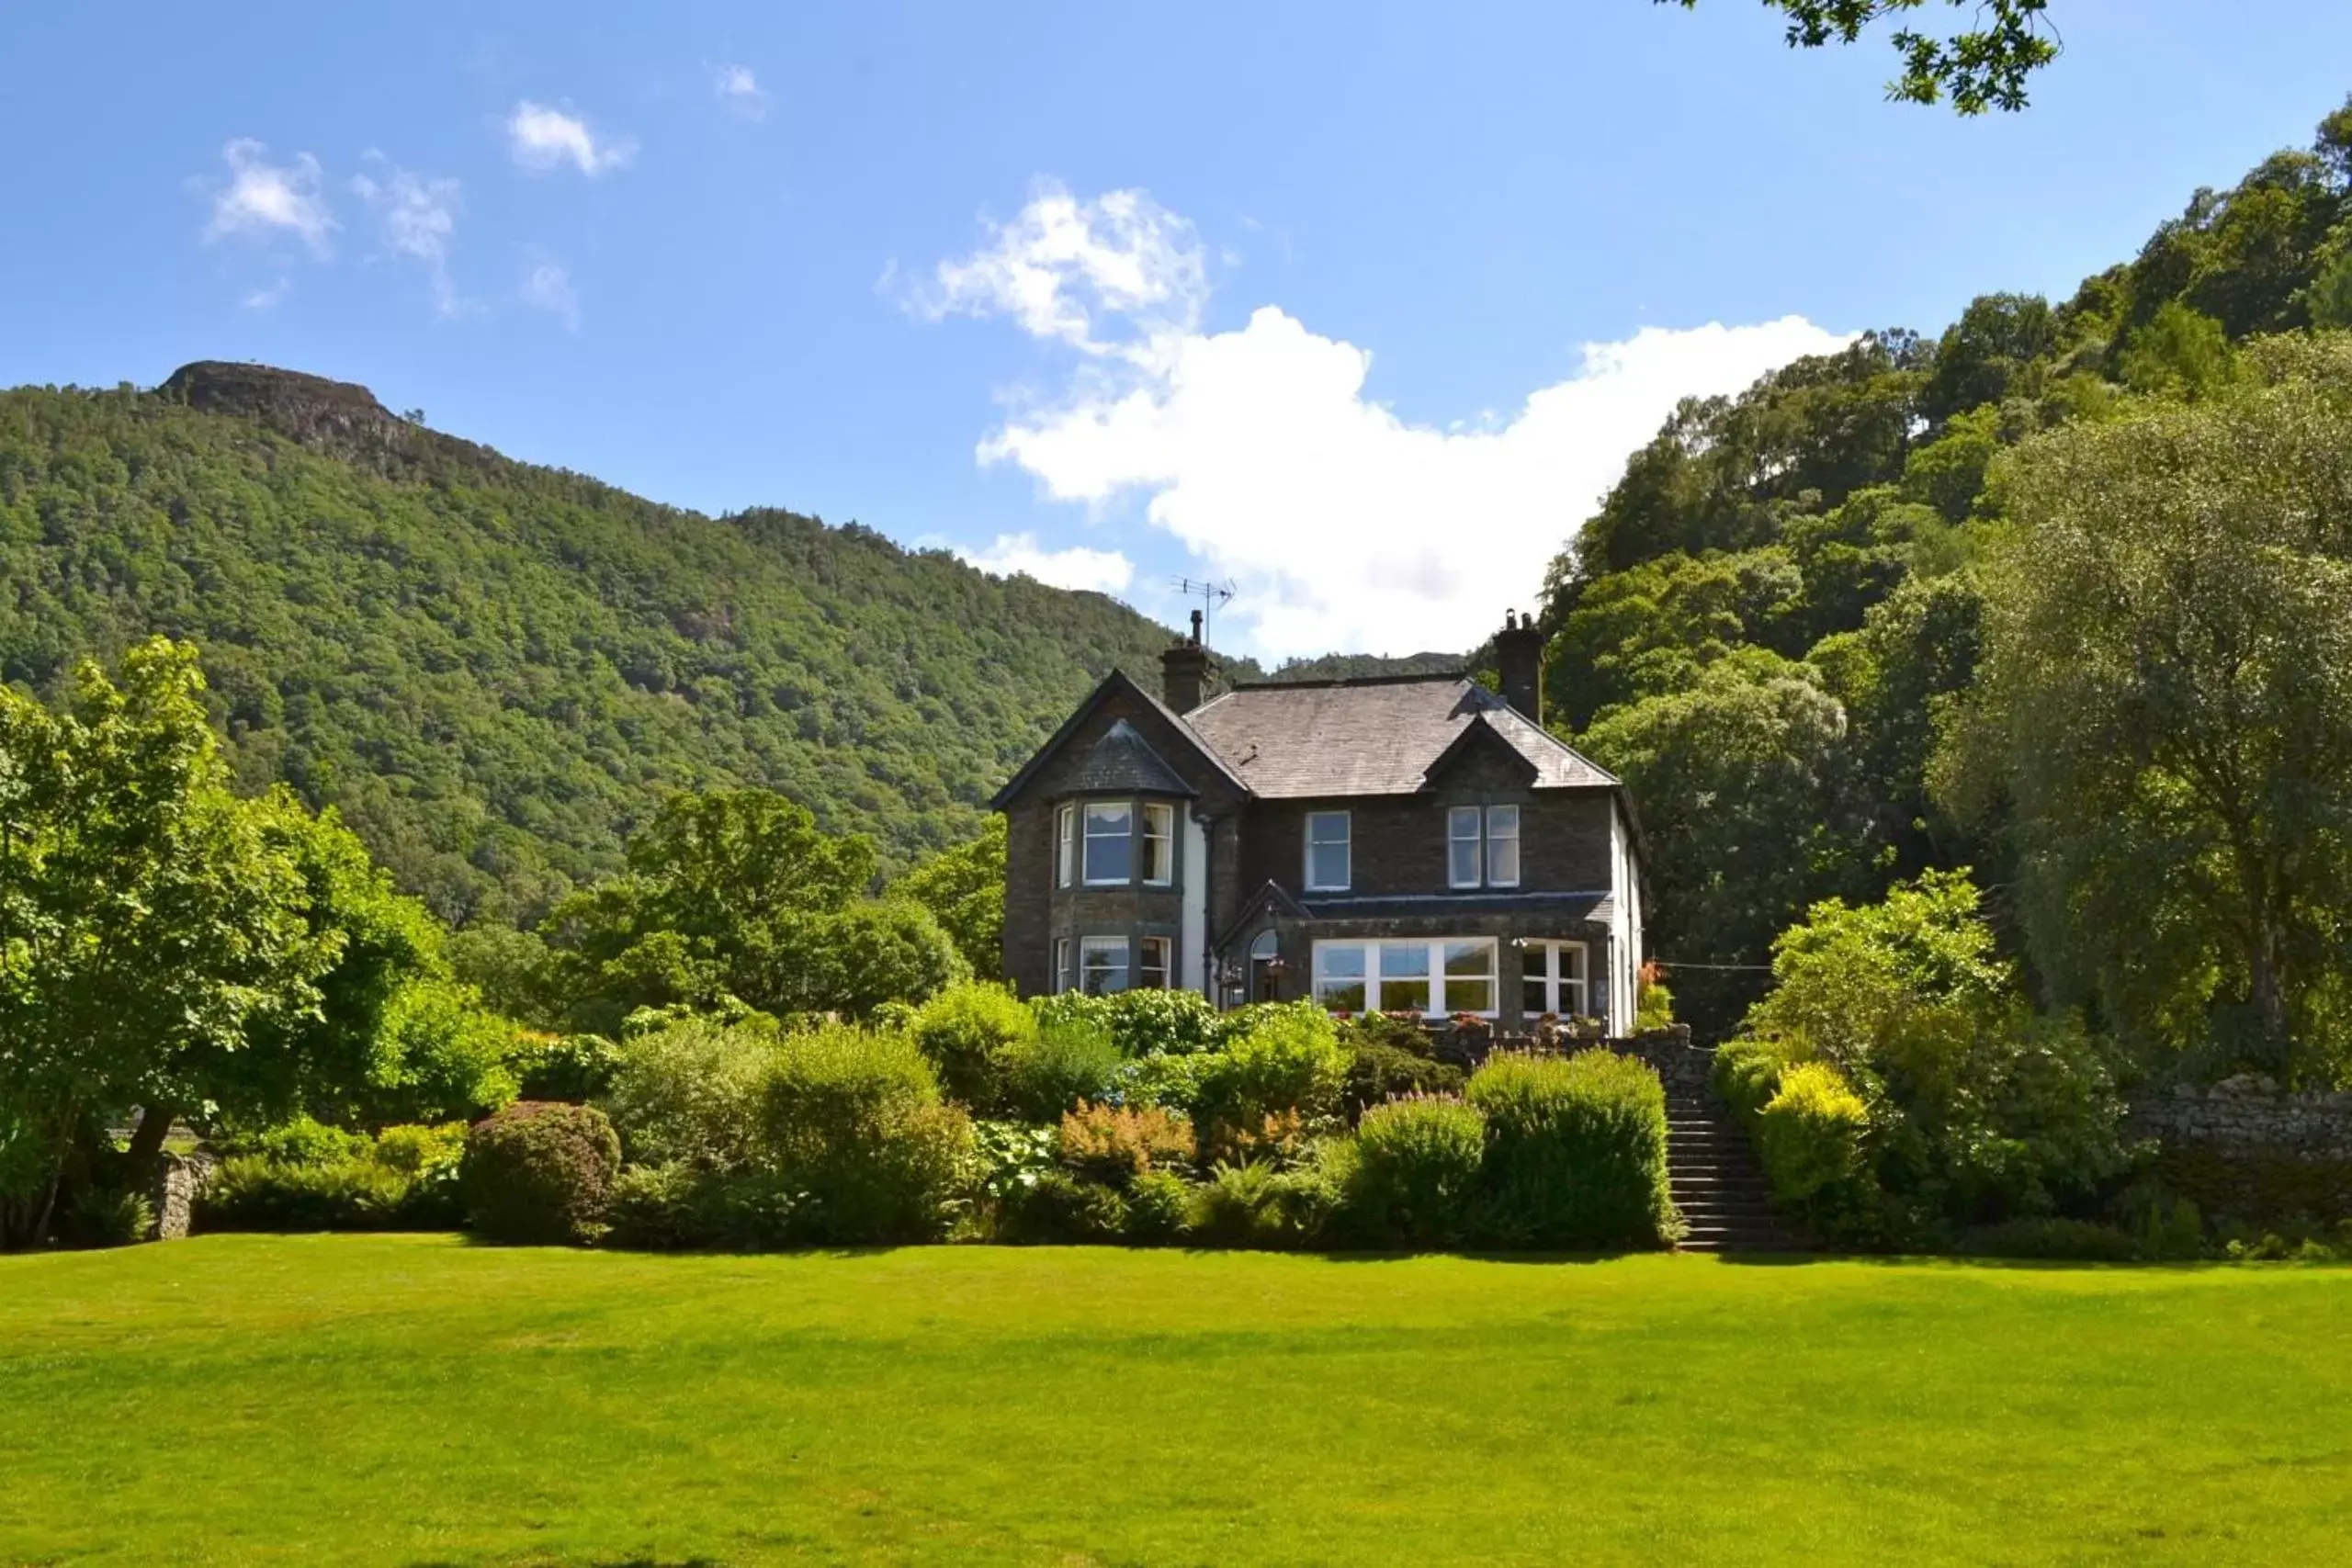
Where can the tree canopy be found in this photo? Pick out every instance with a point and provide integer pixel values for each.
(1978, 68)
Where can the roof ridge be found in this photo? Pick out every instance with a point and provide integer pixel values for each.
(1462, 674)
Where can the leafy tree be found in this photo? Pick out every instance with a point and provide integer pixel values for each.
(2179, 354)
(1737, 781)
(2167, 702)
(147, 922)
(964, 889)
(1983, 67)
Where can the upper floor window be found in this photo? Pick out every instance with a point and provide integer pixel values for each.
(1481, 846)
(1327, 852)
(1064, 845)
(1110, 842)
(1158, 844)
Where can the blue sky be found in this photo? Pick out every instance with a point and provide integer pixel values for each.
(1359, 304)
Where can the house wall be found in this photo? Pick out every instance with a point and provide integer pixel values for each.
(1398, 843)
(1036, 912)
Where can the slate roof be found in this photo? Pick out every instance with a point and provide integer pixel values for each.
(1123, 762)
(1370, 736)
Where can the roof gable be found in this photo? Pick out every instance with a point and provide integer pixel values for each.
(1118, 683)
(1480, 742)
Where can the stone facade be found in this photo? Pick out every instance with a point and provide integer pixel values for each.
(177, 1184)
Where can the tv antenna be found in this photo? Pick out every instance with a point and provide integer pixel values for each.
(1210, 594)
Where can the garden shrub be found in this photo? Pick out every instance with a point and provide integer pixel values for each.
(1169, 1081)
(577, 1068)
(1398, 1032)
(1171, 1021)
(1068, 1060)
(108, 1216)
(1060, 1207)
(2080, 1240)
(1159, 1207)
(308, 1178)
(1746, 1075)
(1290, 1061)
(688, 1090)
(1809, 1135)
(1377, 1072)
(540, 1171)
(1007, 1156)
(964, 1031)
(853, 1121)
(1575, 1151)
(1259, 1204)
(1115, 1144)
(1415, 1173)
(678, 1207)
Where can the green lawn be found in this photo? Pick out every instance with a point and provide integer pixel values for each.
(414, 1399)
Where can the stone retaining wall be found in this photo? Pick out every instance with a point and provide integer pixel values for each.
(2244, 1149)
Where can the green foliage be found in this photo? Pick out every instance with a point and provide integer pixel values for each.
(1809, 1134)
(853, 1120)
(1065, 1062)
(496, 671)
(2085, 1241)
(1981, 67)
(1260, 1204)
(678, 1207)
(539, 1172)
(1159, 1208)
(1653, 1004)
(577, 1068)
(965, 1031)
(1575, 1151)
(1289, 1062)
(148, 922)
(690, 1093)
(2180, 353)
(1140, 1022)
(1379, 1072)
(1415, 1175)
(1064, 1208)
(1979, 1110)
(306, 1177)
(102, 1216)
(2166, 714)
(964, 889)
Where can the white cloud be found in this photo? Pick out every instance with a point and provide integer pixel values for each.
(1347, 527)
(548, 287)
(1104, 572)
(735, 86)
(1117, 277)
(262, 200)
(267, 299)
(420, 221)
(541, 138)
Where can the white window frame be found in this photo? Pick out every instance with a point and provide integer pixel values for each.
(1145, 947)
(1064, 845)
(1457, 818)
(1433, 977)
(1164, 814)
(1061, 964)
(1540, 964)
(1484, 835)
(1346, 840)
(1088, 945)
(1086, 846)
(1493, 815)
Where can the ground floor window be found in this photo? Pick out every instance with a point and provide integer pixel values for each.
(1431, 975)
(1102, 965)
(1553, 980)
(1151, 963)
(1061, 964)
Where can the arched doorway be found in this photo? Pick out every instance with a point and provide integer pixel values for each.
(1265, 968)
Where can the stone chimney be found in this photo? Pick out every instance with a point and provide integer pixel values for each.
(1184, 672)
(1518, 659)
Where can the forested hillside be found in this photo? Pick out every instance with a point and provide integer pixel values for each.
(495, 670)
(1780, 604)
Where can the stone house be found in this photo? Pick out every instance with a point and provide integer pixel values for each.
(1394, 842)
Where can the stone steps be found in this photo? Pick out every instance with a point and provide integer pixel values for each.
(1718, 1184)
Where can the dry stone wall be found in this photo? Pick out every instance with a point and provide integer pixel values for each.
(2246, 1149)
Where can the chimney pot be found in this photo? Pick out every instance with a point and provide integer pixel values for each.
(1519, 660)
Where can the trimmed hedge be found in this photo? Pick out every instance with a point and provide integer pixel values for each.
(1809, 1135)
(1415, 1178)
(306, 1177)
(1575, 1151)
(540, 1171)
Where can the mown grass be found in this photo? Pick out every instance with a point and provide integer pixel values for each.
(418, 1400)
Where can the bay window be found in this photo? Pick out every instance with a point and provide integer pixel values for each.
(1327, 869)
(1552, 979)
(1102, 965)
(1481, 846)
(1158, 844)
(1430, 975)
(1110, 842)
(1151, 963)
